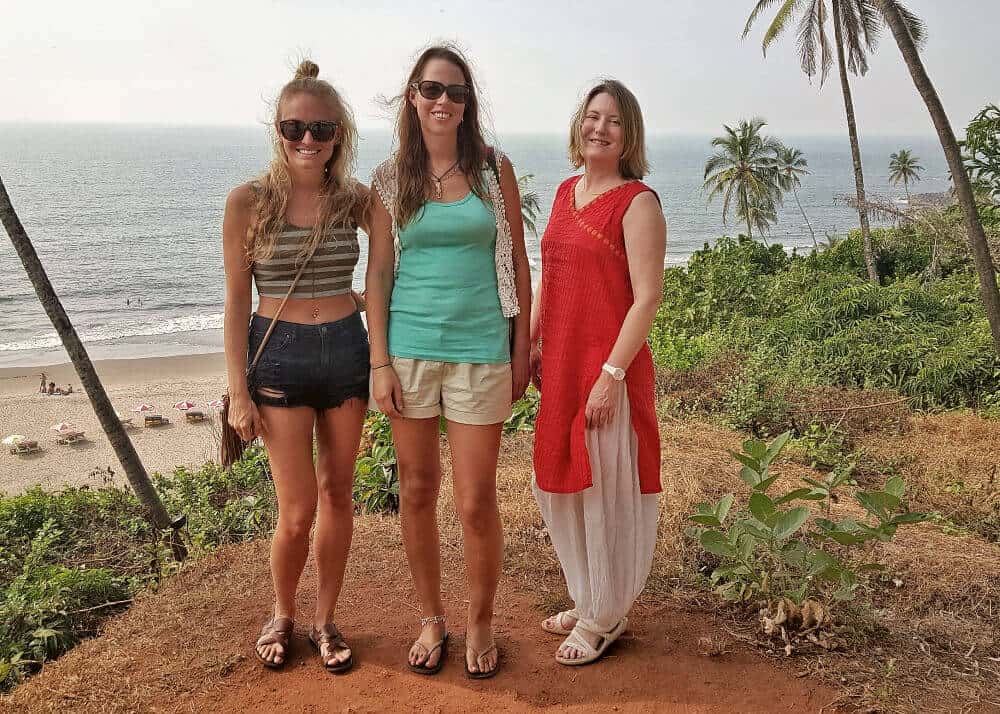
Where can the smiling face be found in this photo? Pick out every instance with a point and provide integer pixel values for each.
(307, 154)
(439, 116)
(601, 130)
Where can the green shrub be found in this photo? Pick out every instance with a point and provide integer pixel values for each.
(376, 472)
(766, 548)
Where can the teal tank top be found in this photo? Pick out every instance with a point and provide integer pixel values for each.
(445, 305)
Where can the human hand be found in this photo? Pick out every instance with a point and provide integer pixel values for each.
(520, 371)
(387, 391)
(244, 416)
(602, 404)
(535, 366)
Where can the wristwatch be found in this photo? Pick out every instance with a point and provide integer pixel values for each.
(617, 373)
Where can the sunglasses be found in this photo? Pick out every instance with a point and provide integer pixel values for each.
(429, 89)
(294, 130)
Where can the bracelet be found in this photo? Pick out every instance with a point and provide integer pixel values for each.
(387, 364)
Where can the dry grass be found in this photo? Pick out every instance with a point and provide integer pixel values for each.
(950, 462)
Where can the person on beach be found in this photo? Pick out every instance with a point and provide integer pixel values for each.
(41, 387)
(597, 446)
(302, 214)
(447, 275)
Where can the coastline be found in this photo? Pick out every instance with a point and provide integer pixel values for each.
(161, 381)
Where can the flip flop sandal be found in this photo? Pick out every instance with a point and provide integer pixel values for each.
(442, 645)
(559, 628)
(488, 673)
(590, 654)
(330, 636)
(276, 631)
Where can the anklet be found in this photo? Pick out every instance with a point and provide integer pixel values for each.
(433, 619)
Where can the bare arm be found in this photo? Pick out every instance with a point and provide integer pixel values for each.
(242, 413)
(645, 246)
(519, 358)
(379, 280)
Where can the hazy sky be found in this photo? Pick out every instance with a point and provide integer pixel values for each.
(208, 62)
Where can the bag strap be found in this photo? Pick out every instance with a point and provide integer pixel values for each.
(277, 313)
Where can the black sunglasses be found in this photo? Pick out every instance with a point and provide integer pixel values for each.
(429, 89)
(294, 130)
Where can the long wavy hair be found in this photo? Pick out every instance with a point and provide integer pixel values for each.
(413, 182)
(341, 197)
(633, 163)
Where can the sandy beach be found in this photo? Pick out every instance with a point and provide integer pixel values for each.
(161, 381)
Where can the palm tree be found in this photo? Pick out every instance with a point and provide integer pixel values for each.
(530, 205)
(902, 22)
(744, 168)
(856, 24)
(903, 168)
(791, 167)
(127, 456)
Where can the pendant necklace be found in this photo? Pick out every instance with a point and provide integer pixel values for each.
(438, 191)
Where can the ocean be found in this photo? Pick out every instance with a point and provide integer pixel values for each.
(127, 220)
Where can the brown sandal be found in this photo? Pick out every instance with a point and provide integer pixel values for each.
(330, 636)
(276, 631)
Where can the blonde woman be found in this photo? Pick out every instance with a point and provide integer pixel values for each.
(447, 276)
(293, 232)
(597, 447)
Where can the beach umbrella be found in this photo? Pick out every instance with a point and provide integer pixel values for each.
(143, 408)
(216, 404)
(62, 426)
(13, 439)
(184, 406)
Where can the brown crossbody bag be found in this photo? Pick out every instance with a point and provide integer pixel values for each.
(231, 444)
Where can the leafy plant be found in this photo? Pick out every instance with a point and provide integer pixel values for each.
(764, 548)
(523, 413)
(376, 472)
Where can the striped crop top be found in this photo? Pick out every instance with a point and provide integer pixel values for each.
(330, 270)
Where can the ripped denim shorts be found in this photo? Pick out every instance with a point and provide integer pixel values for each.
(318, 366)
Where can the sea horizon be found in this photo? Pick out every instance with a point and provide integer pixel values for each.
(126, 218)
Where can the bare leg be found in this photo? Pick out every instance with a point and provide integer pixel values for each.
(289, 448)
(419, 456)
(474, 450)
(338, 432)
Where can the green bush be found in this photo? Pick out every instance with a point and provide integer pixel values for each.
(72, 558)
(376, 472)
(766, 548)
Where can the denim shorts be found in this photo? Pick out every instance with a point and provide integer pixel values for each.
(318, 366)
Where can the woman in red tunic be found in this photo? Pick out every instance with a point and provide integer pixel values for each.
(597, 446)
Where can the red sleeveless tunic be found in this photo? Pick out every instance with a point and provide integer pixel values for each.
(586, 292)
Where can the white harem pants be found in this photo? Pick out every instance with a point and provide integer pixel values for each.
(604, 536)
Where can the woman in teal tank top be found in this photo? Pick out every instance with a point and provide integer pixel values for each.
(444, 303)
(448, 290)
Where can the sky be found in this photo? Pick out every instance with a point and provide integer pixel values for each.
(180, 62)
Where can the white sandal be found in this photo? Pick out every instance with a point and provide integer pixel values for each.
(559, 628)
(590, 654)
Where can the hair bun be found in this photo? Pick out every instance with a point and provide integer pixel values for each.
(307, 68)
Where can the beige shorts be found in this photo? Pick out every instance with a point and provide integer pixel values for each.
(463, 392)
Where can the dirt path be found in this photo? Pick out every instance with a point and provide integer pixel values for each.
(187, 649)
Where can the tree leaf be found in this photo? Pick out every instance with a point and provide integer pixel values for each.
(761, 506)
(717, 544)
(722, 510)
(789, 522)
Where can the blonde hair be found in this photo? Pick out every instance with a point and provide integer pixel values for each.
(341, 194)
(633, 163)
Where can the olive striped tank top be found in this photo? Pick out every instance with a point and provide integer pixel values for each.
(329, 272)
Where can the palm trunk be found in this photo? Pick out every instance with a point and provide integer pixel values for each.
(852, 130)
(906, 188)
(963, 187)
(806, 218)
(127, 456)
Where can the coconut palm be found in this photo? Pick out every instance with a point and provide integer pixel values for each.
(901, 23)
(903, 168)
(856, 24)
(744, 169)
(530, 205)
(127, 456)
(791, 168)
